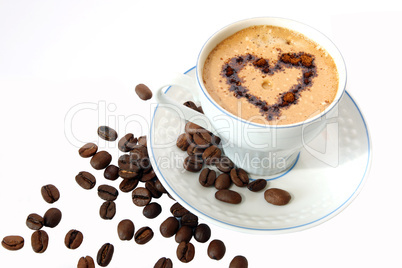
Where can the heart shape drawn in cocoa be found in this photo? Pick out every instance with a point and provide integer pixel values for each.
(304, 61)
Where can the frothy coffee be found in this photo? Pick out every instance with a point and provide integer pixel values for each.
(271, 75)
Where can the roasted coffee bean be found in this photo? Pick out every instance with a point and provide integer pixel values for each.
(101, 160)
(277, 196)
(86, 180)
(192, 128)
(143, 235)
(105, 255)
(73, 239)
(148, 176)
(127, 174)
(178, 210)
(239, 262)
(164, 263)
(125, 229)
(159, 186)
(191, 105)
(203, 138)
(107, 192)
(150, 185)
(143, 92)
(86, 262)
(127, 162)
(202, 233)
(257, 185)
(50, 193)
(39, 241)
(200, 109)
(13, 242)
(52, 217)
(185, 233)
(127, 185)
(169, 227)
(111, 173)
(193, 163)
(152, 210)
(142, 140)
(223, 181)
(107, 210)
(35, 221)
(88, 150)
(228, 196)
(239, 177)
(185, 252)
(225, 164)
(211, 155)
(216, 249)
(127, 143)
(207, 177)
(183, 141)
(138, 152)
(141, 196)
(194, 149)
(189, 219)
(107, 133)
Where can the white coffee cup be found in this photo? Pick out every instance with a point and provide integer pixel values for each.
(257, 148)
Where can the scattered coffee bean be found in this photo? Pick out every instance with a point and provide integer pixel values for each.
(183, 141)
(105, 255)
(50, 193)
(86, 180)
(107, 133)
(143, 235)
(148, 176)
(185, 233)
(159, 187)
(128, 174)
(35, 221)
(202, 138)
(142, 140)
(107, 210)
(189, 219)
(193, 163)
(150, 185)
(239, 262)
(141, 196)
(127, 185)
(39, 241)
(239, 177)
(178, 210)
(192, 128)
(101, 160)
(88, 150)
(152, 210)
(191, 105)
(169, 227)
(52, 217)
(223, 181)
(111, 173)
(143, 92)
(225, 164)
(202, 233)
(107, 192)
(164, 263)
(216, 249)
(257, 185)
(211, 155)
(228, 196)
(127, 162)
(277, 196)
(185, 252)
(73, 239)
(13, 242)
(125, 229)
(86, 262)
(127, 143)
(194, 149)
(207, 177)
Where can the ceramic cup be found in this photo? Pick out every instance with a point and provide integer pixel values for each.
(257, 148)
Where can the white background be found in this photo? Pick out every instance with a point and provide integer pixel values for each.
(57, 57)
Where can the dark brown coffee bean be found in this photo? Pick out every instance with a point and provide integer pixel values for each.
(52, 217)
(138, 152)
(141, 196)
(107, 133)
(207, 177)
(105, 255)
(189, 219)
(127, 185)
(239, 262)
(152, 210)
(202, 233)
(203, 138)
(50, 193)
(223, 181)
(101, 160)
(88, 150)
(164, 263)
(142, 140)
(239, 177)
(111, 173)
(143, 92)
(127, 162)
(211, 155)
(86, 180)
(127, 174)
(125, 229)
(39, 241)
(107, 210)
(169, 227)
(183, 141)
(143, 235)
(35, 221)
(192, 128)
(225, 164)
(159, 186)
(185, 252)
(185, 233)
(107, 192)
(148, 176)
(73, 239)
(277, 196)
(193, 163)
(191, 105)
(150, 185)
(216, 249)
(200, 109)
(257, 185)
(13, 242)
(127, 143)
(194, 149)
(178, 210)
(228, 196)
(86, 262)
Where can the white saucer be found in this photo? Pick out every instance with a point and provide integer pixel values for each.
(329, 174)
